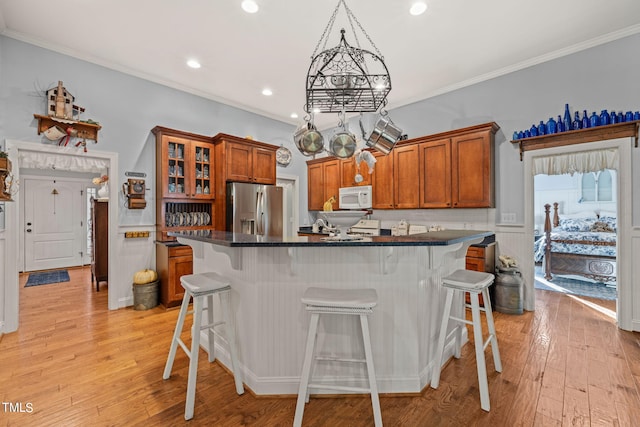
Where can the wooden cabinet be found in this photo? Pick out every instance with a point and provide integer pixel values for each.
(185, 163)
(249, 163)
(172, 262)
(240, 160)
(482, 258)
(472, 170)
(348, 171)
(458, 171)
(435, 170)
(99, 241)
(395, 179)
(453, 169)
(323, 181)
(185, 181)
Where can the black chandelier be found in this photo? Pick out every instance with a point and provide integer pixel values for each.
(346, 78)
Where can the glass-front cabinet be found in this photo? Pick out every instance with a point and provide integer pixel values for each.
(187, 167)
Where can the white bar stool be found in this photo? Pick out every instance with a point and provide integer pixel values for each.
(473, 283)
(355, 302)
(200, 286)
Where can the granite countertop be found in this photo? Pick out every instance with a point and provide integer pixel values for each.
(434, 238)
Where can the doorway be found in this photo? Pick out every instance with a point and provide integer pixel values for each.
(290, 211)
(587, 211)
(624, 263)
(47, 157)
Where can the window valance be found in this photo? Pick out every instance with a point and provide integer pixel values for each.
(582, 162)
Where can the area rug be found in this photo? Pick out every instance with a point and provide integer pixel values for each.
(47, 277)
(575, 287)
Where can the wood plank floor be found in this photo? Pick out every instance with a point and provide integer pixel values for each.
(75, 363)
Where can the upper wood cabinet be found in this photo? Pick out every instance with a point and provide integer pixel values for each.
(435, 168)
(240, 160)
(323, 182)
(396, 179)
(185, 164)
(453, 169)
(472, 170)
(250, 163)
(349, 170)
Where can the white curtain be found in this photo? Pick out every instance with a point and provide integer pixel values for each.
(585, 161)
(36, 160)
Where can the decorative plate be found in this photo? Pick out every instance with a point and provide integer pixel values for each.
(283, 156)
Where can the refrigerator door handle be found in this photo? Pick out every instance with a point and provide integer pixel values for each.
(260, 213)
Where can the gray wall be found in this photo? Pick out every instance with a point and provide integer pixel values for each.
(127, 107)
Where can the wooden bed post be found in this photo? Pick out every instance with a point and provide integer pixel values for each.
(547, 235)
(556, 217)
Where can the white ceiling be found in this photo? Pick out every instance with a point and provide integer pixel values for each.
(455, 43)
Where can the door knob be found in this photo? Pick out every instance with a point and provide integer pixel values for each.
(28, 230)
(29, 224)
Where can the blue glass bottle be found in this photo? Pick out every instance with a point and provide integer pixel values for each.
(577, 123)
(586, 123)
(542, 129)
(520, 135)
(613, 117)
(560, 126)
(534, 130)
(515, 135)
(594, 120)
(636, 115)
(604, 118)
(629, 116)
(567, 118)
(552, 126)
(620, 117)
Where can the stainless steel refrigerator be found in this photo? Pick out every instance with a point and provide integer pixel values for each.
(254, 209)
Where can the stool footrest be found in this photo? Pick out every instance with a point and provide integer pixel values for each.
(339, 310)
(339, 388)
(457, 319)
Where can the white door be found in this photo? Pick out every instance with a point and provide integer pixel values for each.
(53, 224)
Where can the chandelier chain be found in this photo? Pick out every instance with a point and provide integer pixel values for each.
(350, 16)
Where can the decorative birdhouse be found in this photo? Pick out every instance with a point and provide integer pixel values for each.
(60, 102)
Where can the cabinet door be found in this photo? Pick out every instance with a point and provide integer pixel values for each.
(348, 171)
(239, 162)
(315, 187)
(383, 182)
(435, 174)
(264, 166)
(200, 171)
(175, 167)
(331, 181)
(406, 179)
(178, 267)
(472, 171)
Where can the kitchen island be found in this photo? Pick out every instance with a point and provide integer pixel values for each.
(269, 276)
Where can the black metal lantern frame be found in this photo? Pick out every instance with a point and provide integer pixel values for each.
(346, 78)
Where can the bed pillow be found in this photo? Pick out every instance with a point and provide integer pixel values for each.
(575, 224)
(601, 226)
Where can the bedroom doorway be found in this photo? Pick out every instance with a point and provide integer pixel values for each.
(587, 210)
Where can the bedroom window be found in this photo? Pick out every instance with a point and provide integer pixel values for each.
(597, 186)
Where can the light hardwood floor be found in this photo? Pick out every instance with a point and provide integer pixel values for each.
(76, 363)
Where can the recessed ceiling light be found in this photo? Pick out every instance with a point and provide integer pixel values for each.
(418, 8)
(294, 115)
(193, 63)
(250, 6)
(267, 92)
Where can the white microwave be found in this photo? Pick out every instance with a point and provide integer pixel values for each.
(355, 197)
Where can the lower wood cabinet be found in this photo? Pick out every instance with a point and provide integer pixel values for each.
(172, 261)
(482, 258)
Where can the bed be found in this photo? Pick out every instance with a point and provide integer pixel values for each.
(580, 245)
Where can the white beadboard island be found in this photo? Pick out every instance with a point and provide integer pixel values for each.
(269, 276)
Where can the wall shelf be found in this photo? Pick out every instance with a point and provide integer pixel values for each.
(599, 133)
(85, 130)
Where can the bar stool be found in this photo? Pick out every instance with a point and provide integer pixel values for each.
(473, 283)
(355, 302)
(200, 286)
